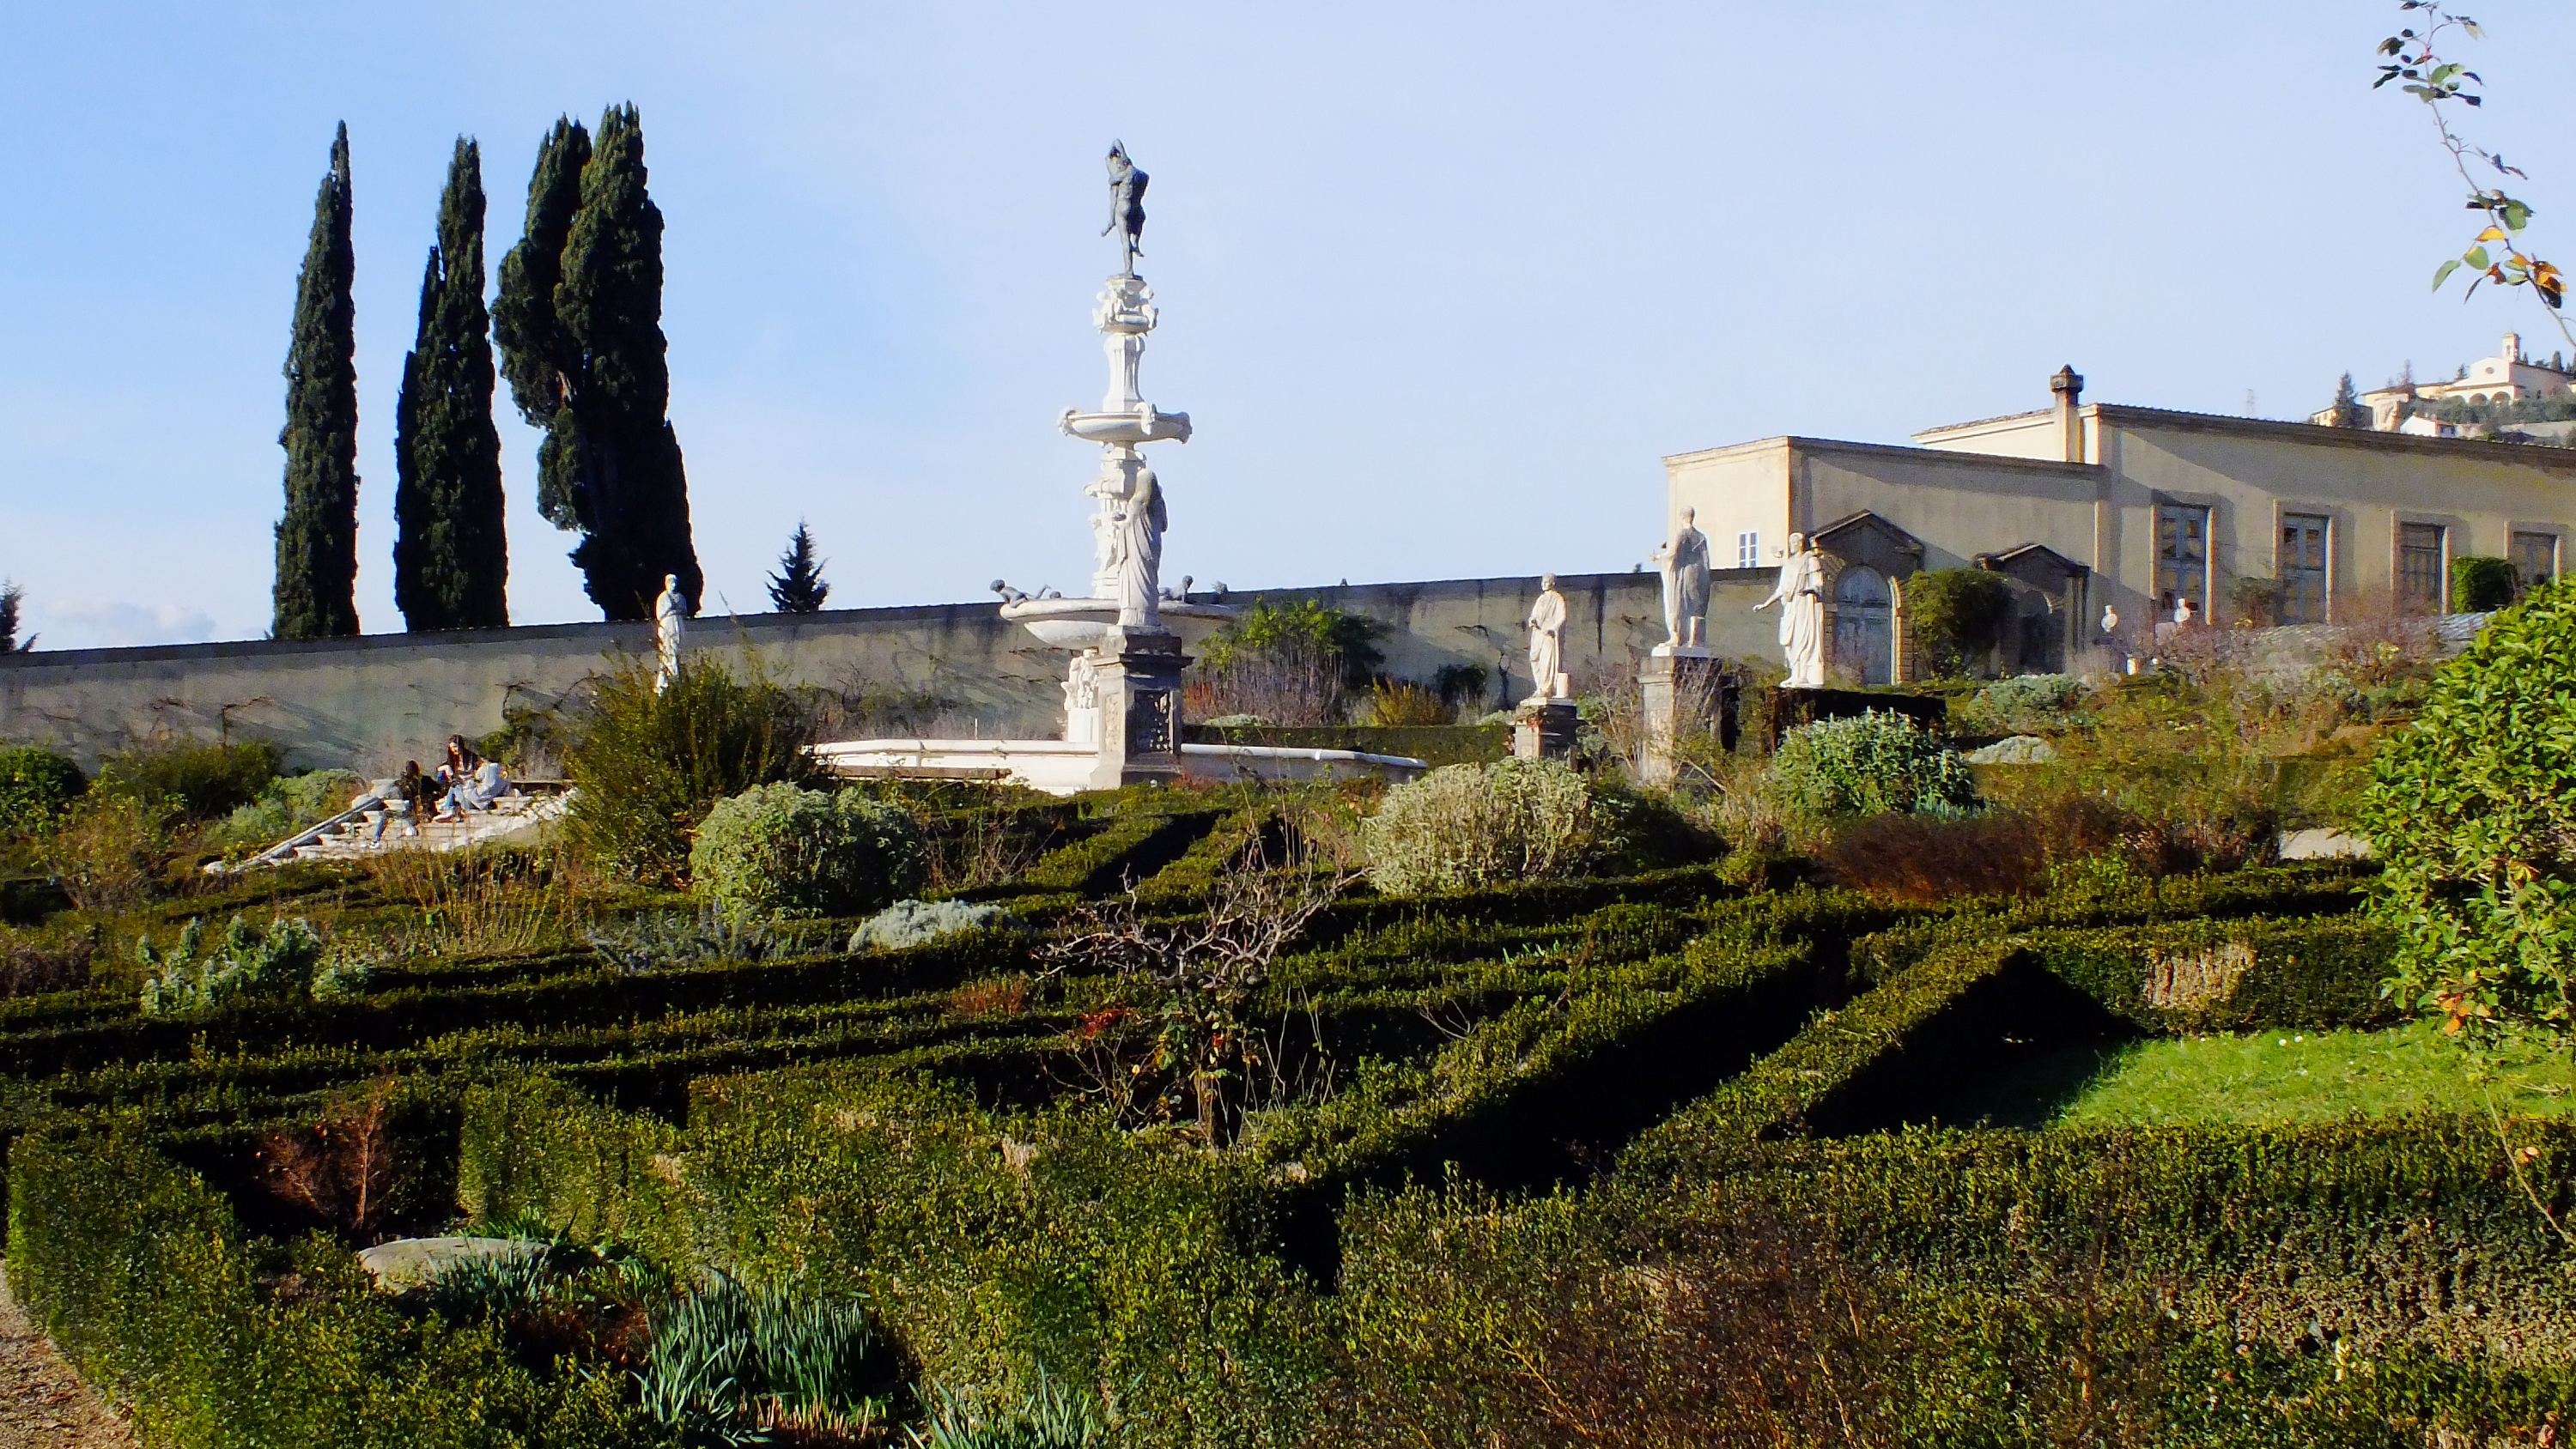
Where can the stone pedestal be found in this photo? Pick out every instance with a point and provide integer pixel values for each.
(1685, 691)
(1545, 729)
(1136, 683)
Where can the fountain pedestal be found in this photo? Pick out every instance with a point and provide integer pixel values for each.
(1135, 707)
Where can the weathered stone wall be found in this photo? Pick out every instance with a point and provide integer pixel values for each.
(373, 701)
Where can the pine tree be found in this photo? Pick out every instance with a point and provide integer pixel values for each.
(451, 558)
(580, 326)
(798, 587)
(316, 593)
(2347, 408)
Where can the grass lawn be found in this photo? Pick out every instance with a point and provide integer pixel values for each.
(2280, 1076)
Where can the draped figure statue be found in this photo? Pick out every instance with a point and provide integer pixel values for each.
(1140, 524)
(1801, 597)
(1683, 561)
(1546, 639)
(670, 618)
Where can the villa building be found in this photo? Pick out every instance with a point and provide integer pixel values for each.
(2092, 506)
(2507, 377)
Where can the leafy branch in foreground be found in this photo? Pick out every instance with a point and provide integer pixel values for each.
(2413, 59)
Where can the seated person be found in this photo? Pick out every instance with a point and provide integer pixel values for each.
(472, 781)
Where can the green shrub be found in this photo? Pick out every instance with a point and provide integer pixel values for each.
(2481, 585)
(783, 850)
(1464, 826)
(2471, 812)
(35, 785)
(1868, 765)
(1299, 628)
(203, 781)
(2026, 702)
(107, 849)
(279, 961)
(141, 1274)
(917, 923)
(649, 764)
(1958, 616)
(288, 804)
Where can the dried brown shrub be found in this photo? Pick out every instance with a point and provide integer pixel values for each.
(1285, 686)
(30, 966)
(1922, 859)
(342, 1168)
(996, 996)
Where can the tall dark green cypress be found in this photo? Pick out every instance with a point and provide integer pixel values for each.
(451, 558)
(316, 593)
(580, 326)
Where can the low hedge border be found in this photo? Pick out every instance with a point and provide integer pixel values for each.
(141, 1274)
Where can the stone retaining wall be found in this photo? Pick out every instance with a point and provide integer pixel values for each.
(370, 702)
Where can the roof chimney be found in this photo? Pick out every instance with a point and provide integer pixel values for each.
(2067, 386)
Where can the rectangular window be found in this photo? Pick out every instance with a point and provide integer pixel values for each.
(2535, 559)
(2182, 558)
(2301, 567)
(2419, 568)
(1748, 550)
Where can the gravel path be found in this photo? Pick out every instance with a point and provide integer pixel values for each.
(43, 1404)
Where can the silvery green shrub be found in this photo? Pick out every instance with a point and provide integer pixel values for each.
(783, 850)
(1462, 826)
(277, 962)
(1869, 764)
(915, 923)
(2026, 700)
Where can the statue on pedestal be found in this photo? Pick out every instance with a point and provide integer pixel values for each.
(1801, 597)
(670, 617)
(1126, 203)
(1683, 560)
(1130, 528)
(1546, 640)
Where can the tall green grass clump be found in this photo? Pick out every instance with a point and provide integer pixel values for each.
(783, 850)
(649, 765)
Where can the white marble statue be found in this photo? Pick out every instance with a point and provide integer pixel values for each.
(1124, 314)
(1683, 561)
(670, 618)
(2182, 611)
(1547, 641)
(1129, 531)
(1801, 597)
(1082, 701)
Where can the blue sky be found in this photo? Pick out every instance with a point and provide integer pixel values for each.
(1440, 283)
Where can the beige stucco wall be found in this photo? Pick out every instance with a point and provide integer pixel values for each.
(373, 701)
(1734, 490)
(1958, 504)
(2365, 483)
(2022, 435)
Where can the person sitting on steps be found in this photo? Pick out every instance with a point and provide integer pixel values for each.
(472, 781)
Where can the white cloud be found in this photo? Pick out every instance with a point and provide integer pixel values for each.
(113, 624)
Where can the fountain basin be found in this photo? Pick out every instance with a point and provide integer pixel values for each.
(1144, 425)
(1076, 624)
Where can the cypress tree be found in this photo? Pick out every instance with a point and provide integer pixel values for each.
(451, 559)
(580, 326)
(316, 593)
(798, 587)
(11, 596)
(2348, 411)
